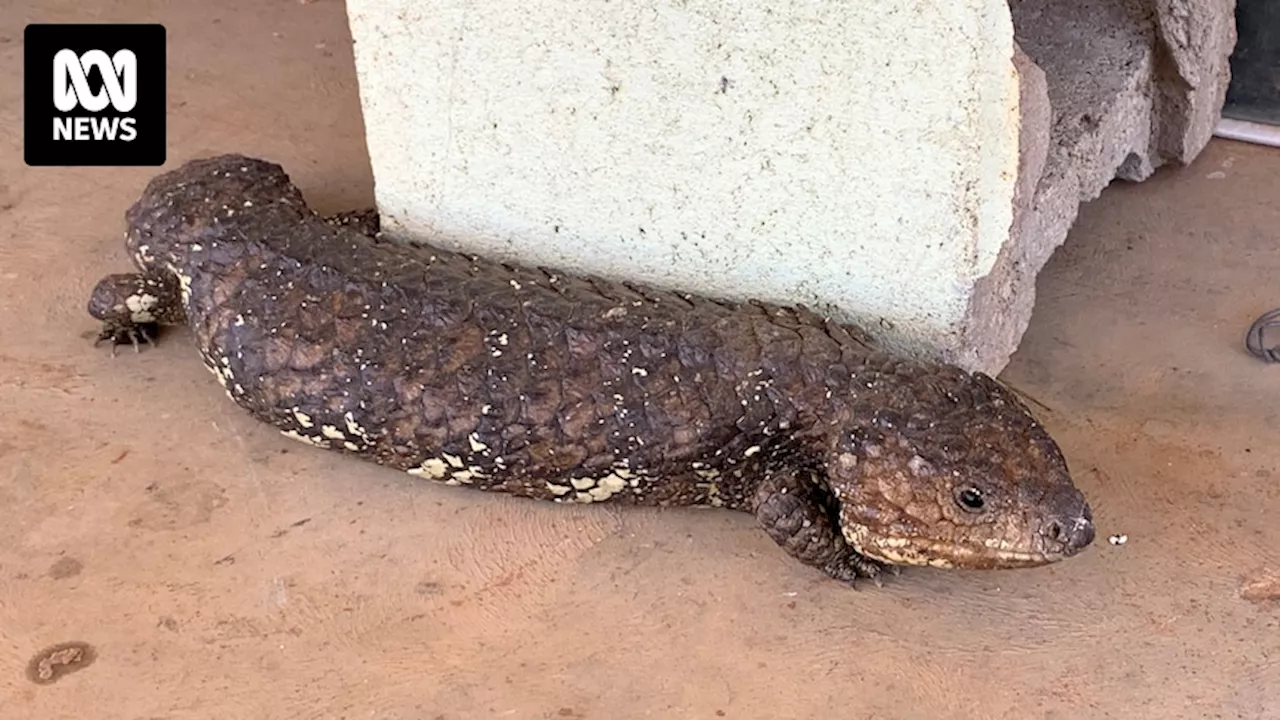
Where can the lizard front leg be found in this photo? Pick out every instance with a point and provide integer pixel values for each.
(132, 307)
(799, 514)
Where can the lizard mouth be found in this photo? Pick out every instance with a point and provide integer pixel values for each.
(989, 555)
(1055, 539)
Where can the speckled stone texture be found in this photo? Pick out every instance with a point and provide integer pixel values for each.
(1110, 89)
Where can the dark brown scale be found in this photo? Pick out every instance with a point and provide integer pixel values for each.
(525, 380)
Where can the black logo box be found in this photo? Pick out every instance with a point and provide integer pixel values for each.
(42, 42)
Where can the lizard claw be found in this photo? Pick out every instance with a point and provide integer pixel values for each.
(118, 333)
(850, 567)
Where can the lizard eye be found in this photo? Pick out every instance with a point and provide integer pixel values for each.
(970, 498)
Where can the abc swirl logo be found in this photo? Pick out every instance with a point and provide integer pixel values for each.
(71, 90)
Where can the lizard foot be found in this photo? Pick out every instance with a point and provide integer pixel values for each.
(849, 567)
(120, 332)
(797, 512)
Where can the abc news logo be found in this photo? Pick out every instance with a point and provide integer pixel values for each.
(71, 90)
(94, 95)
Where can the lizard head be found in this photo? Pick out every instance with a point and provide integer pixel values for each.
(961, 477)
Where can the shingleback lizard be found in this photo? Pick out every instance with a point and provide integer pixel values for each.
(549, 385)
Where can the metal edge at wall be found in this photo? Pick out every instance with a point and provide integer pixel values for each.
(1250, 132)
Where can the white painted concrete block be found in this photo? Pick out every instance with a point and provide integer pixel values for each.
(860, 158)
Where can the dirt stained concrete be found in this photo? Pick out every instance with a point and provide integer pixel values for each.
(217, 570)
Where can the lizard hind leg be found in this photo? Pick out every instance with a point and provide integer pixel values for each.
(133, 306)
(798, 513)
(366, 221)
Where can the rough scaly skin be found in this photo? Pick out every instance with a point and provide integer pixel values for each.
(574, 389)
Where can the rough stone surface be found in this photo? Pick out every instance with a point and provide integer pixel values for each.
(1001, 302)
(1122, 87)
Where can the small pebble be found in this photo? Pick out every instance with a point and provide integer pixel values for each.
(1118, 539)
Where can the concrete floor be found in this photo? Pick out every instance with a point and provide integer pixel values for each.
(221, 571)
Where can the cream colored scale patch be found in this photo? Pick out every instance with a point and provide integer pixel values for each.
(184, 280)
(589, 490)
(143, 256)
(140, 307)
(448, 468)
(451, 470)
(306, 439)
(221, 370)
(328, 432)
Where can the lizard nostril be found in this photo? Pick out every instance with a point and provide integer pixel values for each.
(1073, 535)
(1054, 531)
